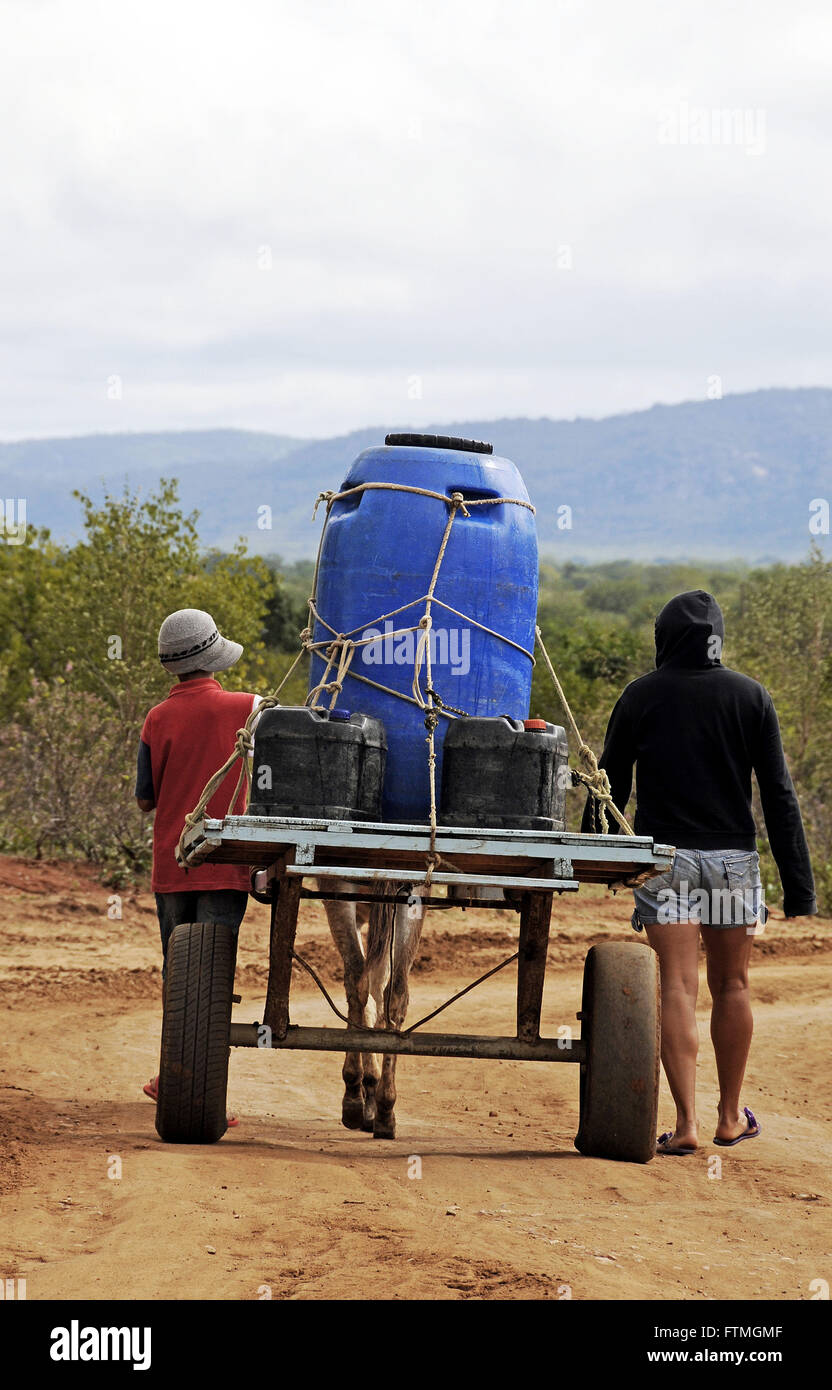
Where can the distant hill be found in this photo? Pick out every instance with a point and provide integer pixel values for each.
(731, 478)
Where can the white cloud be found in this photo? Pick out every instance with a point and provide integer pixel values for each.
(413, 170)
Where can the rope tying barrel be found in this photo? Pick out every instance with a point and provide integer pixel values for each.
(339, 650)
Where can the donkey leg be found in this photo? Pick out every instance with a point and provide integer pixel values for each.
(371, 1064)
(407, 928)
(371, 993)
(375, 986)
(342, 924)
(369, 1003)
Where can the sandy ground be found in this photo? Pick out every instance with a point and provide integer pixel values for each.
(482, 1196)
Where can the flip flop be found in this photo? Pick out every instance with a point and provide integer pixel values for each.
(151, 1088)
(751, 1132)
(664, 1140)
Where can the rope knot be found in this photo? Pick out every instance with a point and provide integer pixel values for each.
(322, 497)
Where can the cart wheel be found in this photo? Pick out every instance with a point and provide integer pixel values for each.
(196, 1024)
(621, 1017)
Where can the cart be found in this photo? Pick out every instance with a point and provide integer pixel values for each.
(514, 870)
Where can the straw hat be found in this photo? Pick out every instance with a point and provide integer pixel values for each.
(189, 641)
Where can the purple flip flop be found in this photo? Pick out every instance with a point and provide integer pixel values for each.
(671, 1153)
(753, 1130)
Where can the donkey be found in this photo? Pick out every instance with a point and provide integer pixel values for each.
(375, 997)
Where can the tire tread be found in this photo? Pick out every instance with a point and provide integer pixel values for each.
(621, 1028)
(193, 1067)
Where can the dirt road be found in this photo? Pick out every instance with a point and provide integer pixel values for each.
(482, 1196)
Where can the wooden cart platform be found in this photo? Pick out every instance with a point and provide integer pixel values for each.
(366, 852)
(522, 869)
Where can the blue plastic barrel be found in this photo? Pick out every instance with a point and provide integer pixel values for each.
(378, 554)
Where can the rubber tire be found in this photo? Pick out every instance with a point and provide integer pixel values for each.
(621, 1029)
(196, 1033)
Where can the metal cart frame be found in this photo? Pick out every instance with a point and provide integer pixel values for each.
(531, 865)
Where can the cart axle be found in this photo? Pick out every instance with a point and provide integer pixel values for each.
(411, 1044)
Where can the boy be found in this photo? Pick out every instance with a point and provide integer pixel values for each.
(183, 742)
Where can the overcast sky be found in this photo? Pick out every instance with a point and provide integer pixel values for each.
(308, 217)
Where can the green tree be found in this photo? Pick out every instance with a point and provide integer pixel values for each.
(29, 576)
(56, 798)
(139, 560)
(80, 667)
(780, 632)
(594, 659)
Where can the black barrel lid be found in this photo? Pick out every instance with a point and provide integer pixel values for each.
(440, 441)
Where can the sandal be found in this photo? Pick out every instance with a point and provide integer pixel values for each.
(663, 1146)
(151, 1088)
(751, 1131)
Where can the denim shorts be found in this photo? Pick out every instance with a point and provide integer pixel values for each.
(225, 905)
(714, 887)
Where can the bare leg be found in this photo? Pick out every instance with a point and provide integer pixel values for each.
(677, 946)
(728, 951)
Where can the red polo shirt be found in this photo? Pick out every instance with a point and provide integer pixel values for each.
(188, 737)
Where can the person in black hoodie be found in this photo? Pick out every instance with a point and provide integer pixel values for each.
(695, 731)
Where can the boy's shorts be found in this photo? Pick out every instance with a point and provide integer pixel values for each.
(714, 887)
(225, 905)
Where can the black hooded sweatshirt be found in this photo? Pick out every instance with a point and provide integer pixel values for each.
(695, 731)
